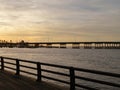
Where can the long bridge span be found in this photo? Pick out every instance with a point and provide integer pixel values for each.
(76, 45)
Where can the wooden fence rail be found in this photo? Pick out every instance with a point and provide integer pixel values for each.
(71, 75)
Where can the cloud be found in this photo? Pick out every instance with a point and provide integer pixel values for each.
(81, 18)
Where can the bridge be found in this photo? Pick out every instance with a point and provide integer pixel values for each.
(75, 45)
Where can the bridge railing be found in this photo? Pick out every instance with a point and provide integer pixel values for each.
(71, 75)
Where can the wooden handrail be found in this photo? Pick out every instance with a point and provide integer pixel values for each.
(71, 75)
(98, 72)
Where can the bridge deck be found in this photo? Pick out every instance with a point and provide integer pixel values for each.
(8, 81)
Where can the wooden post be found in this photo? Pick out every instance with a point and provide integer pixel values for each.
(2, 63)
(39, 72)
(17, 67)
(72, 79)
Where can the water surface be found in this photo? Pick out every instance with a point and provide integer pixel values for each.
(97, 59)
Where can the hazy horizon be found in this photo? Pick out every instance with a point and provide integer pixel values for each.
(60, 20)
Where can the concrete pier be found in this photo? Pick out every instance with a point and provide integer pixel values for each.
(76, 45)
(36, 45)
(99, 46)
(87, 45)
(62, 45)
(48, 45)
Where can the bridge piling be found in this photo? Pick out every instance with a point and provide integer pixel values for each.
(75, 46)
(48, 45)
(87, 45)
(36, 45)
(62, 45)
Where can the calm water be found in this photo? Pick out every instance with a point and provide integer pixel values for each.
(97, 59)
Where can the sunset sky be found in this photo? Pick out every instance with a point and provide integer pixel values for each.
(60, 20)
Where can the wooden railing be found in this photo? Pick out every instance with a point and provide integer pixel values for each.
(18, 63)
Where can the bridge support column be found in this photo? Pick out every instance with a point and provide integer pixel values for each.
(106, 45)
(101, 46)
(109, 45)
(30, 45)
(49, 45)
(115, 45)
(75, 45)
(118, 45)
(96, 45)
(36, 45)
(62, 45)
(87, 45)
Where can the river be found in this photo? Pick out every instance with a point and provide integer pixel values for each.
(96, 59)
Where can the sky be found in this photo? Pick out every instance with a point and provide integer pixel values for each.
(60, 20)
